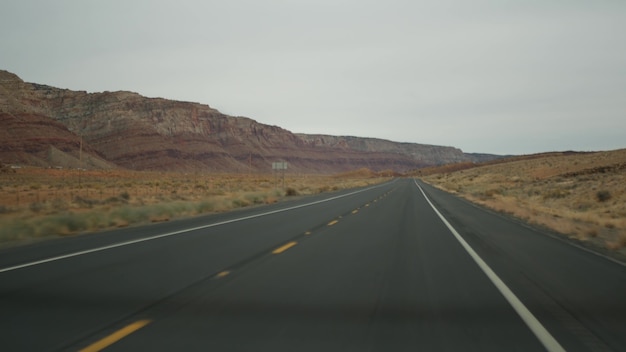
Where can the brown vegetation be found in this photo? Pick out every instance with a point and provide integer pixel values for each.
(581, 195)
(36, 202)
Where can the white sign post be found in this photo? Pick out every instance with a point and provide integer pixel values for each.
(281, 165)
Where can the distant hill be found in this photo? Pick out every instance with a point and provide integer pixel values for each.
(43, 126)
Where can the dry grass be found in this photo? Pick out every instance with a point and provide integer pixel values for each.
(579, 195)
(36, 203)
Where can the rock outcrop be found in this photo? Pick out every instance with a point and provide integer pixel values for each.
(131, 131)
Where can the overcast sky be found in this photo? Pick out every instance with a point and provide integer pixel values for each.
(503, 77)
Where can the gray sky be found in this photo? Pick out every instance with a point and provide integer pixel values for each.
(504, 77)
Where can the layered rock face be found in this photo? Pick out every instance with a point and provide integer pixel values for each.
(128, 130)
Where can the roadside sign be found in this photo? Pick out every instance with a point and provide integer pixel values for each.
(281, 165)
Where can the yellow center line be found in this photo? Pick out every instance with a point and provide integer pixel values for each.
(116, 336)
(284, 247)
(333, 222)
(222, 274)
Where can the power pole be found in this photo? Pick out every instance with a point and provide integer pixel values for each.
(80, 162)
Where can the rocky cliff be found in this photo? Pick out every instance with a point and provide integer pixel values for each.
(127, 130)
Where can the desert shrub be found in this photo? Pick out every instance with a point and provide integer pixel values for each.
(583, 206)
(323, 189)
(290, 192)
(205, 207)
(59, 204)
(179, 208)
(216, 192)
(533, 192)
(16, 229)
(36, 207)
(97, 220)
(603, 196)
(555, 194)
(490, 193)
(155, 211)
(86, 202)
(60, 224)
(131, 214)
(256, 198)
(112, 200)
(124, 195)
(240, 203)
(73, 222)
(4, 209)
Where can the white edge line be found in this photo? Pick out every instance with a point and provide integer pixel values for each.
(546, 339)
(126, 243)
(550, 234)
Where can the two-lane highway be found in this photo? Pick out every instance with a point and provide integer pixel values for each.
(400, 266)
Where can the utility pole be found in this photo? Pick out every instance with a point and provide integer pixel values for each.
(80, 162)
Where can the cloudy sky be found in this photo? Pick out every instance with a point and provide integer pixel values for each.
(495, 76)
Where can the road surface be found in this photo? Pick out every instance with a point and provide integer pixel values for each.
(395, 267)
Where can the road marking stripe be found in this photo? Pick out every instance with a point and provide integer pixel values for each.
(284, 247)
(355, 211)
(307, 233)
(222, 274)
(126, 243)
(333, 222)
(548, 341)
(116, 336)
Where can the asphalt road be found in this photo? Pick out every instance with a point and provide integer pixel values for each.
(400, 266)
